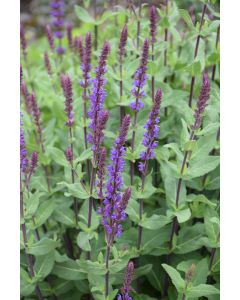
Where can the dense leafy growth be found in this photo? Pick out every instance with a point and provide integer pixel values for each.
(120, 154)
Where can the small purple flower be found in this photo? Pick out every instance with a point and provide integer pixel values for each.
(50, 37)
(202, 101)
(34, 162)
(80, 49)
(151, 133)
(57, 12)
(85, 57)
(26, 98)
(153, 21)
(140, 79)
(122, 42)
(101, 172)
(23, 150)
(115, 204)
(35, 112)
(47, 64)
(126, 289)
(67, 91)
(69, 155)
(97, 98)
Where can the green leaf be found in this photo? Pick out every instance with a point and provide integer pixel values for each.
(57, 155)
(86, 154)
(31, 204)
(43, 265)
(83, 240)
(183, 215)
(69, 270)
(44, 211)
(186, 17)
(83, 15)
(75, 190)
(175, 276)
(42, 247)
(65, 216)
(202, 290)
(201, 166)
(155, 222)
(27, 287)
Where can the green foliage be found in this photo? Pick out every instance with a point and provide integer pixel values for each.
(68, 254)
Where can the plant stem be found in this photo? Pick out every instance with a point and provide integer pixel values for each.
(122, 109)
(165, 52)
(179, 184)
(217, 41)
(139, 24)
(75, 205)
(196, 53)
(184, 297)
(95, 26)
(90, 203)
(107, 273)
(25, 241)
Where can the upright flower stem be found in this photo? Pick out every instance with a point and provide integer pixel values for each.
(139, 240)
(217, 41)
(85, 127)
(107, 271)
(179, 185)
(95, 26)
(196, 53)
(121, 52)
(165, 51)
(139, 23)
(122, 109)
(25, 241)
(133, 145)
(75, 204)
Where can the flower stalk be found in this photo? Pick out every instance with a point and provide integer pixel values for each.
(201, 104)
(196, 53)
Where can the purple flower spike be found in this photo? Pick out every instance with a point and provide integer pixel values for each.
(123, 41)
(34, 162)
(115, 204)
(151, 134)
(26, 98)
(66, 84)
(85, 57)
(57, 12)
(69, 36)
(153, 21)
(50, 37)
(140, 79)
(23, 40)
(202, 101)
(126, 289)
(69, 155)
(47, 64)
(23, 150)
(101, 172)
(97, 98)
(81, 49)
(35, 112)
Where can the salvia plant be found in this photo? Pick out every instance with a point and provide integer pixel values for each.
(119, 151)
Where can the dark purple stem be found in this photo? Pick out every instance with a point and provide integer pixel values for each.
(139, 23)
(196, 53)
(165, 53)
(179, 184)
(75, 204)
(107, 273)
